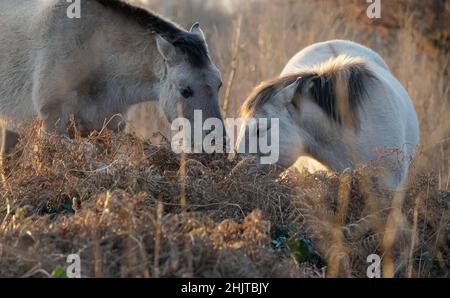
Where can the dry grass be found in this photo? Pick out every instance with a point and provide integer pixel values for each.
(121, 203)
(115, 200)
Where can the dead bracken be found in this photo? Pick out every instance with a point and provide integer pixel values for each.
(130, 208)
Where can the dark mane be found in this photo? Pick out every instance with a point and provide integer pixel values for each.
(190, 44)
(338, 87)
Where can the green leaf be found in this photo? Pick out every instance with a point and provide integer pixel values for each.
(52, 217)
(68, 206)
(59, 272)
(300, 250)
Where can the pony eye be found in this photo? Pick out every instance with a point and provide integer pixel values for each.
(187, 92)
(220, 85)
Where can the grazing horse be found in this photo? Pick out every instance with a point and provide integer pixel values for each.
(338, 103)
(97, 66)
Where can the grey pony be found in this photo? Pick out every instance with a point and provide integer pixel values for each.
(114, 56)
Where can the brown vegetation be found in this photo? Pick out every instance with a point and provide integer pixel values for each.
(121, 203)
(115, 200)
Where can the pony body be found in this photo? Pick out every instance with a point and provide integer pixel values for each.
(92, 68)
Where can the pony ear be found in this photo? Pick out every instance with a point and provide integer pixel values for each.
(289, 92)
(195, 29)
(166, 49)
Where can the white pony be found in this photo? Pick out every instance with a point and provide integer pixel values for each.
(338, 103)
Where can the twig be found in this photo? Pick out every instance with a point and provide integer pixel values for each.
(159, 212)
(234, 64)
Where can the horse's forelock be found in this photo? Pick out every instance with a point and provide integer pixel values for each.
(194, 47)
